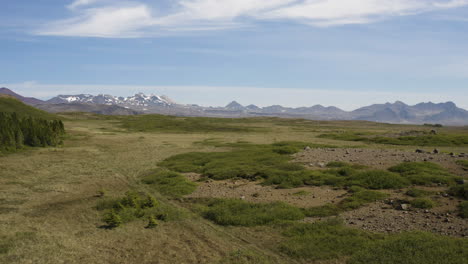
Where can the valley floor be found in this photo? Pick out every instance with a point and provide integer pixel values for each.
(48, 196)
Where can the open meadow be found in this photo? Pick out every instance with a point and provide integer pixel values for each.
(158, 189)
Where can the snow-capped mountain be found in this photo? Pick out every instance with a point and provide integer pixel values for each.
(138, 101)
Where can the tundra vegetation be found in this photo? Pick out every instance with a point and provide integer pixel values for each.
(119, 190)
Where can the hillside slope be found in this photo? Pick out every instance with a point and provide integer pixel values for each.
(9, 104)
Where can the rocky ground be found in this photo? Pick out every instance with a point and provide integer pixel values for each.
(384, 216)
(377, 158)
(254, 192)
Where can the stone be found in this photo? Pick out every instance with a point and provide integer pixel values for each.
(419, 151)
(404, 207)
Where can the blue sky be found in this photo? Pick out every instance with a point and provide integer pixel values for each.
(347, 53)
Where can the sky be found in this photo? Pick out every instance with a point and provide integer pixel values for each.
(346, 53)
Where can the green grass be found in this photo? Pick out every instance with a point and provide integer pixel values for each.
(358, 197)
(379, 179)
(413, 248)
(7, 243)
(269, 162)
(10, 105)
(172, 124)
(134, 206)
(331, 240)
(420, 140)
(240, 213)
(272, 163)
(422, 203)
(463, 209)
(417, 193)
(463, 163)
(424, 173)
(245, 257)
(323, 240)
(460, 191)
(170, 183)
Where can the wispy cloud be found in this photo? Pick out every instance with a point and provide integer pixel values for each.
(127, 19)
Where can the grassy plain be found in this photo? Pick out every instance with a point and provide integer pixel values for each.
(49, 196)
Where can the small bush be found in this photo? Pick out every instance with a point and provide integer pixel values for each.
(422, 203)
(152, 222)
(424, 173)
(170, 183)
(323, 240)
(460, 191)
(301, 193)
(413, 192)
(112, 219)
(463, 209)
(241, 213)
(360, 197)
(378, 179)
(463, 163)
(133, 206)
(413, 248)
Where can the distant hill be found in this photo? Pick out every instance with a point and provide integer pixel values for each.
(398, 112)
(10, 104)
(26, 100)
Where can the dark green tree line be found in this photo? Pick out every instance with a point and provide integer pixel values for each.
(17, 132)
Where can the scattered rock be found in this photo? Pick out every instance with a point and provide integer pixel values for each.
(404, 207)
(420, 151)
(321, 165)
(307, 148)
(435, 151)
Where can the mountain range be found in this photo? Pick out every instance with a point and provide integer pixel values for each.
(398, 112)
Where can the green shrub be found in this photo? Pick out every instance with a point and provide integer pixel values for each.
(463, 163)
(249, 162)
(463, 209)
(112, 219)
(323, 240)
(422, 203)
(301, 193)
(152, 222)
(360, 197)
(413, 192)
(460, 191)
(133, 206)
(241, 213)
(413, 248)
(419, 140)
(379, 179)
(424, 173)
(170, 183)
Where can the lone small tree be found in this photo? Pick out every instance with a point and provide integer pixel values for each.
(112, 219)
(152, 222)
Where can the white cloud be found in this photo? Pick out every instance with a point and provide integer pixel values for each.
(123, 18)
(215, 96)
(79, 3)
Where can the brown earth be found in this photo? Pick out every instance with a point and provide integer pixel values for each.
(254, 192)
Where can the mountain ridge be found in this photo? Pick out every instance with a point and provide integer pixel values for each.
(446, 113)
